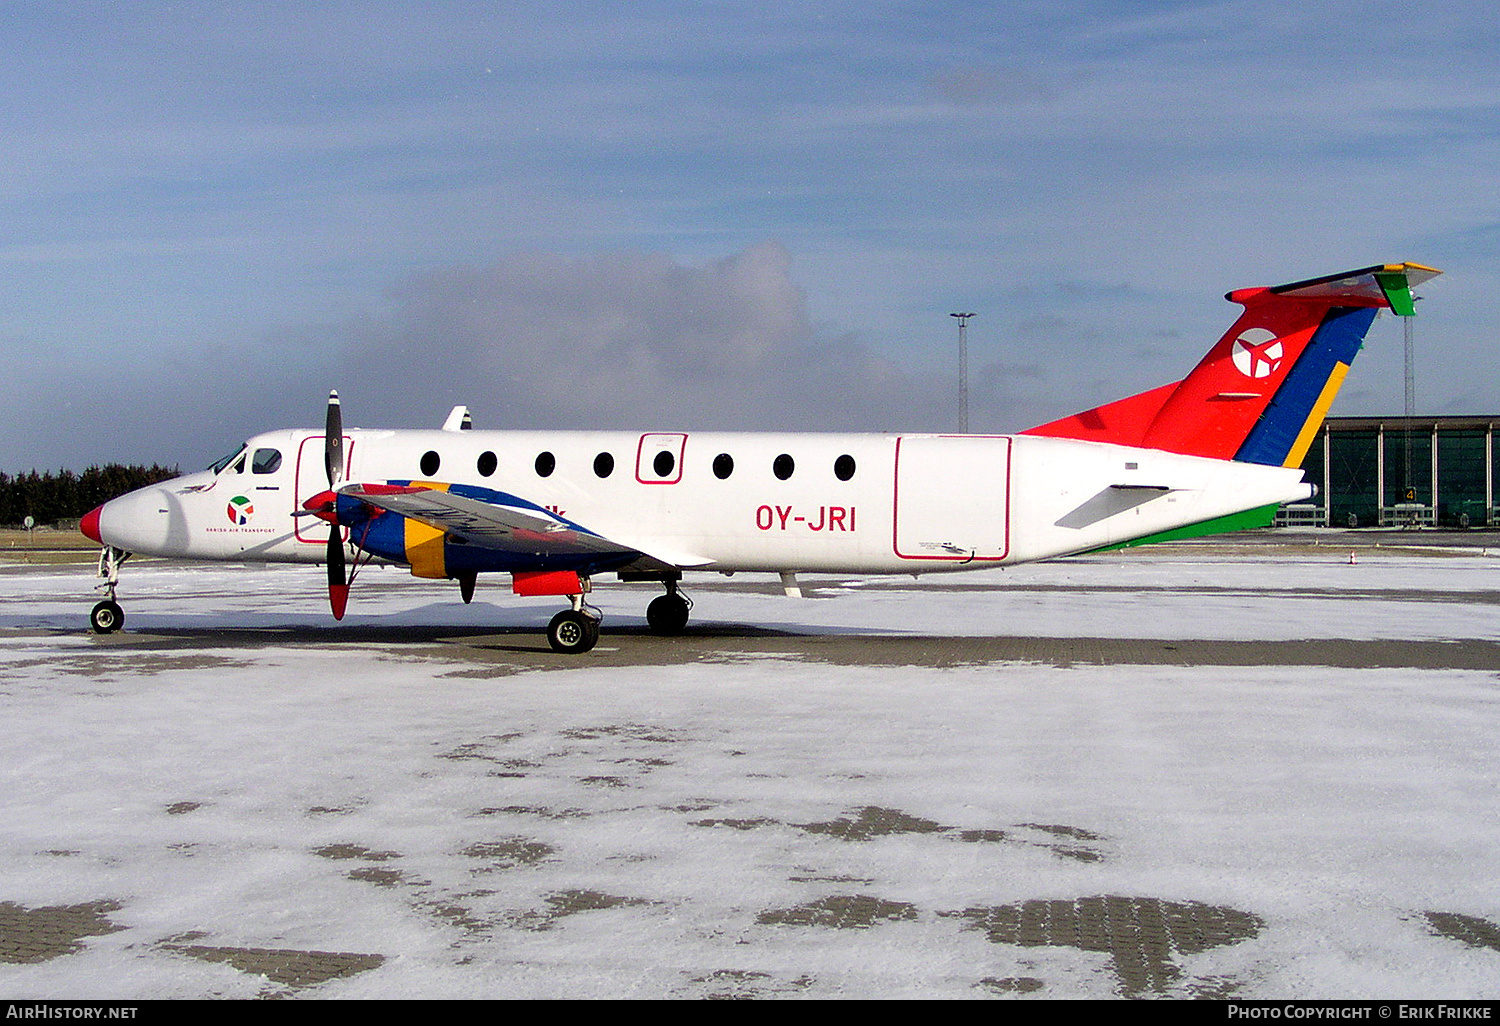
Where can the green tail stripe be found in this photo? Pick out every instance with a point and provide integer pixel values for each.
(1263, 516)
(1397, 293)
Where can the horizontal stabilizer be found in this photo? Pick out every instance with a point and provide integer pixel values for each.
(1386, 285)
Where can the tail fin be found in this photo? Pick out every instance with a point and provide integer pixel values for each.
(1261, 393)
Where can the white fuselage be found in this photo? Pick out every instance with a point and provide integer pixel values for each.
(848, 503)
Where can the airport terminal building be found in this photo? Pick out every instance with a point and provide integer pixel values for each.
(1394, 472)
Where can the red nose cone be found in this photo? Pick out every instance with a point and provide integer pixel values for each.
(89, 525)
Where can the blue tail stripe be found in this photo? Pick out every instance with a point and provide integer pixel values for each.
(1336, 341)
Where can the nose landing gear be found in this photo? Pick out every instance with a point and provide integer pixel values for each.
(107, 617)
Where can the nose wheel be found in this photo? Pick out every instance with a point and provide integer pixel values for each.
(107, 617)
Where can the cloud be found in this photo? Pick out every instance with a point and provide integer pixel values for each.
(967, 85)
(622, 339)
(193, 190)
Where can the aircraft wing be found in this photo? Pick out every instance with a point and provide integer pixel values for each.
(488, 519)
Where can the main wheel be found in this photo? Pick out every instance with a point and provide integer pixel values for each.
(572, 632)
(667, 614)
(107, 617)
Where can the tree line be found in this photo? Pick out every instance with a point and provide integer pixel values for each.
(52, 497)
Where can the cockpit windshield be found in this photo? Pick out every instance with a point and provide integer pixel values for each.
(227, 460)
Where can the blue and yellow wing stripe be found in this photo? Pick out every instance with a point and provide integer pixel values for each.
(441, 530)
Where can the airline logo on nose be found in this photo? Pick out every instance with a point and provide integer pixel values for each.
(1257, 353)
(240, 511)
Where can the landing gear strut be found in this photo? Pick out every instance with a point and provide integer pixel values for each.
(107, 616)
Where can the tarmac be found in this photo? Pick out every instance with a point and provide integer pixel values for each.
(1148, 942)
(522, 649)
(499, 653)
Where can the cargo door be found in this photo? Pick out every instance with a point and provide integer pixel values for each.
(952, 498)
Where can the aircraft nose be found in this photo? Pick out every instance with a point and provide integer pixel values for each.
(89, 525)
(138, 521)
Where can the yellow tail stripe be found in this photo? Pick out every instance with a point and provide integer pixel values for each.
(1320, 408)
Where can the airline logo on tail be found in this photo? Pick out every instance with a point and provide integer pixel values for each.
(1257, 353)
(1295, 342)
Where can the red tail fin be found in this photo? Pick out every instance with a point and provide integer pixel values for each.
(1262, 391)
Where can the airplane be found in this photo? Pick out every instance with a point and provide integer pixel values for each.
(1216, 451)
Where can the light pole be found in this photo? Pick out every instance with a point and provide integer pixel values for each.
(963, 371)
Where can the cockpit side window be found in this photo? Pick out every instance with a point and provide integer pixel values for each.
(266, 461)
(219, 465)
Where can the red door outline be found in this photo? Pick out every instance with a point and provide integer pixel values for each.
(309, 529)
(653, 445)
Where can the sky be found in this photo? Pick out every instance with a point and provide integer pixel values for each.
(710, 215)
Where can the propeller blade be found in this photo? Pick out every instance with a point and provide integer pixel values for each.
(333, 441)
(333, 463)
(338, 582)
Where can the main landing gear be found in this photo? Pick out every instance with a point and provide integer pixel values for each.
(576, 630)
(107, 616)
(668, 614)
(573, 631)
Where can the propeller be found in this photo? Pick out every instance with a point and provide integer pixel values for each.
(333, 462)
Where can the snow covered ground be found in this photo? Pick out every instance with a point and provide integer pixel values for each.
(235, 798)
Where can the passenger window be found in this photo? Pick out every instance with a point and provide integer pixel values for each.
(604, 465)
(546, 463)
(843, 467)
(664, 464)
(430, 463)
(266, 461)
(723, 465)
(784, 466)
(487, 463)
